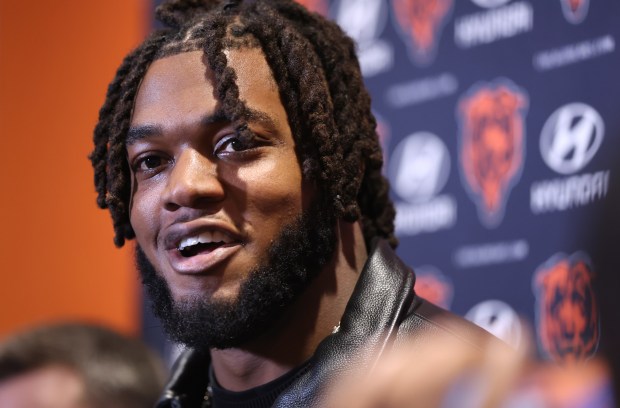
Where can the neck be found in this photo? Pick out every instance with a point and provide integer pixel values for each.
(313, 316)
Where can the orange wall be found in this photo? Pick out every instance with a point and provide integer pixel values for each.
(57, 260)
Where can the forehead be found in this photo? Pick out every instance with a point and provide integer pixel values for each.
(181, 86)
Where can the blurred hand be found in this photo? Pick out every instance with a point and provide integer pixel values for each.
(441, 372)
(444, 372)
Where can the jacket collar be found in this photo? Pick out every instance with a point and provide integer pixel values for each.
(380, 301)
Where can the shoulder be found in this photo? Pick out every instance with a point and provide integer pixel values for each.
(424, 321)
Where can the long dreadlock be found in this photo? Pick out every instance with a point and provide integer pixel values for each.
(318, 76)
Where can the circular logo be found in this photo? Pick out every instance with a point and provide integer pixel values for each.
(490, 3)
(420, 166)
(499, 319)
(571, 137)
(362, 20)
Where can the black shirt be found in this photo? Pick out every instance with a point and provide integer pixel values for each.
(262, 396)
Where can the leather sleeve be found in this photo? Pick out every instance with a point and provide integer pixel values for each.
(426, 320)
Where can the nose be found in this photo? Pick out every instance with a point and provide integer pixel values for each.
(193, 182)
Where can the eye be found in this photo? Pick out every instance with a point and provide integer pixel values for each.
(230, 144)
(149, 163)
(236, 143)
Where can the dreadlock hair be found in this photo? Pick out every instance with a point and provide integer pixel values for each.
(320, 84)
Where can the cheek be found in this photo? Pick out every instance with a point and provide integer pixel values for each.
(274, 188)
(142, 215)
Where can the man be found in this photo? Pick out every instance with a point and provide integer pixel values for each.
(74, 365)
(238, 147)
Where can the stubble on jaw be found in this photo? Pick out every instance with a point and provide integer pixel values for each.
(297, 255)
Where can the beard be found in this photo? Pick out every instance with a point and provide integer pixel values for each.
(296, 256)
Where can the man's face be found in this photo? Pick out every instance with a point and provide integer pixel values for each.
(207, 202)
(229, 234)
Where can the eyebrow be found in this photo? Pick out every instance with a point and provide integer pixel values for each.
(262, 118)
(138, 133)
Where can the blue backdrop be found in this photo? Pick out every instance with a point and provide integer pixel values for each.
(500, 126)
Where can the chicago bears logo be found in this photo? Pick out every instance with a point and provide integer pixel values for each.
(566, 311)
(319, 6)
(434, 286)
(575, 11)
(491, 145)
(420, 23)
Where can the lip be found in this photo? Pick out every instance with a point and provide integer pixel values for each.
(203, 262)
(175, 233)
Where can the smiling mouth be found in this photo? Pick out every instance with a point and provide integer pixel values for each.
(200, 248)
(203, 243)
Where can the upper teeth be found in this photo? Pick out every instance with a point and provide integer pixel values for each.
(206, 237)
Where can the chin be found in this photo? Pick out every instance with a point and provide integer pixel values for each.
(191, 296)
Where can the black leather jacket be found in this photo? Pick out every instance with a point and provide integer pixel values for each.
(383, 309)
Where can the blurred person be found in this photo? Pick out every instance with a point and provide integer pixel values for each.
(237, 146)
(444, 373)
(74, 365)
